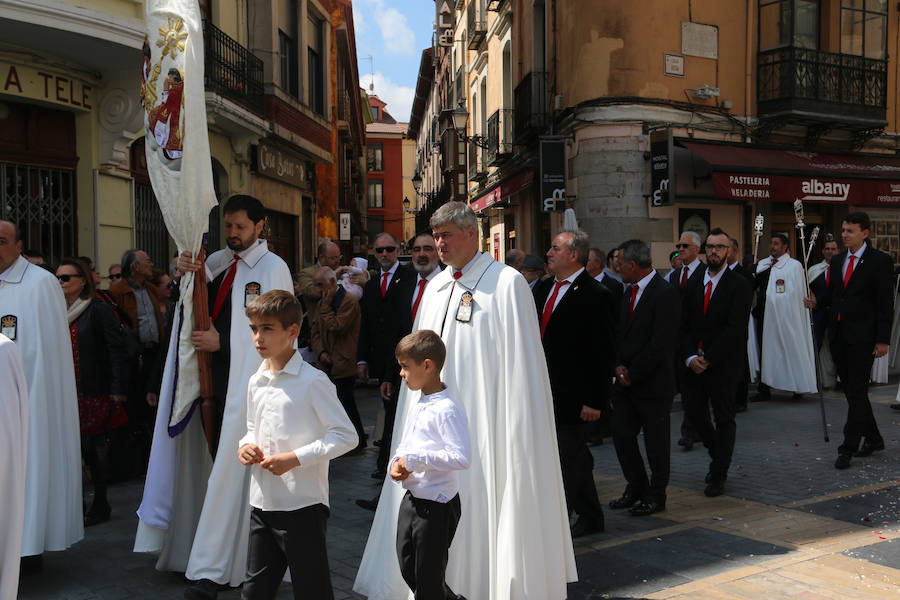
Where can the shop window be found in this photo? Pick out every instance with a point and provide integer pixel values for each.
(316, 62)
(788, 23)
(376, 194)
(374, 156)
(287, 48)
(864, 28)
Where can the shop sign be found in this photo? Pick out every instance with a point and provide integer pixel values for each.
(787, 188)
(662, 168)
(281, 165)
(511, 186)
(553, 175)
(444, 25)
(45, 85)
(344, 226)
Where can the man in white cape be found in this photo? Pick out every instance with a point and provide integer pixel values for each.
(200, 526)
(13, 438)
(33, 315)
(787, 347)
(513, 540)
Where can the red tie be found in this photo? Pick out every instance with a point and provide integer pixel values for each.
(684, 277)
(634, 292)
(384, 281)
(828, 276)
(707, 296)
(548, 308)
(774, 260)
(415, 309)
(849, 272)
(225, 288)
(457, 275)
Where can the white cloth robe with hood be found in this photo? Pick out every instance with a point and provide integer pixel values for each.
(53, 505)
(513, 540)
(787, 345)
(208, 539)
(13, 438)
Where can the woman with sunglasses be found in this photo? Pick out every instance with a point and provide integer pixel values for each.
(98, 351)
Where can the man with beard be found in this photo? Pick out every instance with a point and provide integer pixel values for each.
(194, 509)
(713, 339)
(425, 264)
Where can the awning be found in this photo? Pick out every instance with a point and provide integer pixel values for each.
(503, 190)
(757, 174)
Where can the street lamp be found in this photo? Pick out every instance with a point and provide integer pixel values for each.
(460, 117)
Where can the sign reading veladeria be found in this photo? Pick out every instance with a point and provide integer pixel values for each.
(553, 175)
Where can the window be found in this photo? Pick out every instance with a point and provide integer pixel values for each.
(788, 23)
(287, 49)
(375, 153)
(316, 66)
(375, 113)
(376, 191)
(864, 28)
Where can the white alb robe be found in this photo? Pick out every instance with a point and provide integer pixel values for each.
(787, 345)
(513, 540)
(32, 297)
(195, 511)
(13, 438)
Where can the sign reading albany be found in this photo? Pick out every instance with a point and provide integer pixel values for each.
(39, 84)
(787, 188)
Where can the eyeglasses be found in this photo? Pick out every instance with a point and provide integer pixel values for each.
(116, 276)
(65, 277)
(383, 249)
(717, 247)
(682, 245)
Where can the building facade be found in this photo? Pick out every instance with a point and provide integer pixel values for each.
(71, 131)
(705, 115)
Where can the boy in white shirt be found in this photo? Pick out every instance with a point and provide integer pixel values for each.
(295, 425)
(434, 445)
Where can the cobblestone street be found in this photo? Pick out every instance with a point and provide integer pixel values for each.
(789, 526)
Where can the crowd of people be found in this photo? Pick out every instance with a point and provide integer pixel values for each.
(494, 422)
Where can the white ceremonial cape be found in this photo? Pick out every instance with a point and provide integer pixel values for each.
(787, 345)
(513, 540)
(13, 438)
(33, 315)
(202, 526)
(815, 270)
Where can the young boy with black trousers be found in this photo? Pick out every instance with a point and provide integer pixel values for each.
(295, 426)
(434, 445)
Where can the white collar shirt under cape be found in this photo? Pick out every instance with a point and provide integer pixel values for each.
(513, 539)
(13, 438)
(218, 549)
(33, 315)
(787, 361)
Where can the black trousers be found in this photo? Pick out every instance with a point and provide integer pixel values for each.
(630, 416)
(387, 433)
(288, 539)
(577, 468)
(425, 529)
(854, 366)
(344, 387)
(700, 393)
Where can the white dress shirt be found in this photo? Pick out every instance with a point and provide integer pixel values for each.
(707, 278)
(392, 271)
(419, 278)
(858, 254)
(295, 410)
(562, 290)
(436, 444)
(642, 285)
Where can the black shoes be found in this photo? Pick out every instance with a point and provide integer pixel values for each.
(761, 397)
(98, 513)
(205, 589)
(868, 448)
(586, 526)
(31, 565)
(716, 487)
(648, 507)
(797, 397)
(740, 408)
(627, 500)
(842, 462)
(368, 504)
(686, 443)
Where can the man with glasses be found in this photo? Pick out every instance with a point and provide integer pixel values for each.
(328, 254)
(386, 318)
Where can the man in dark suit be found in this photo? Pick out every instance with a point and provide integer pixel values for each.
(860, 302)
(596, 268)
(713, 338)
(732, 263)
(386, 318)
(578, 341)
(644, 380)
(690, 274)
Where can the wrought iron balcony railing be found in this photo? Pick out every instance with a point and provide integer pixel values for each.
(499, 137)
(232, 70)
(824, 85)
(530, 107)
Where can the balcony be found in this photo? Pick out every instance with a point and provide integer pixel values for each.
(811, 85)
(499, 138)
(231, 70)
(475, 162)
(495, 5)
(530, 107)
(476, 26)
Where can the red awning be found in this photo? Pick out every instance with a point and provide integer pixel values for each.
(751, 174)
(502, 191)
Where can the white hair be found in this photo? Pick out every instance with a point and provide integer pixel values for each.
(457, 213)
(693, 235)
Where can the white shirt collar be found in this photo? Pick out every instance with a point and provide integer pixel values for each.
(733, 266)
(392, 270)
(708, 276)
(431, 275)
(858, 254)
(435, 396)
(643, 283)
(469, 264)
(254, 253)
(571, 278)
(693, 266)
(292, 367)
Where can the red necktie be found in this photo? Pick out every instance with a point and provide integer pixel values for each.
(457, 275)
(634, 292)
(384, 282)
(828, 276)
(707, 296)
(548, 308)
(684, 277)
(774, 260)
(415, 309)
(225, 288)
(849, 272)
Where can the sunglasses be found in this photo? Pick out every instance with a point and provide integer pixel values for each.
(383, 249)
(116, 276)
(66, 278)
(682, 245)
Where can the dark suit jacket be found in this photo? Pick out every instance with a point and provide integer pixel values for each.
(647, 341)
(616, 287)
(866, 305)
(101, 346)
(385, 321)
(696, 278)
(743, 272)
(578, 345)
(722, 330)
